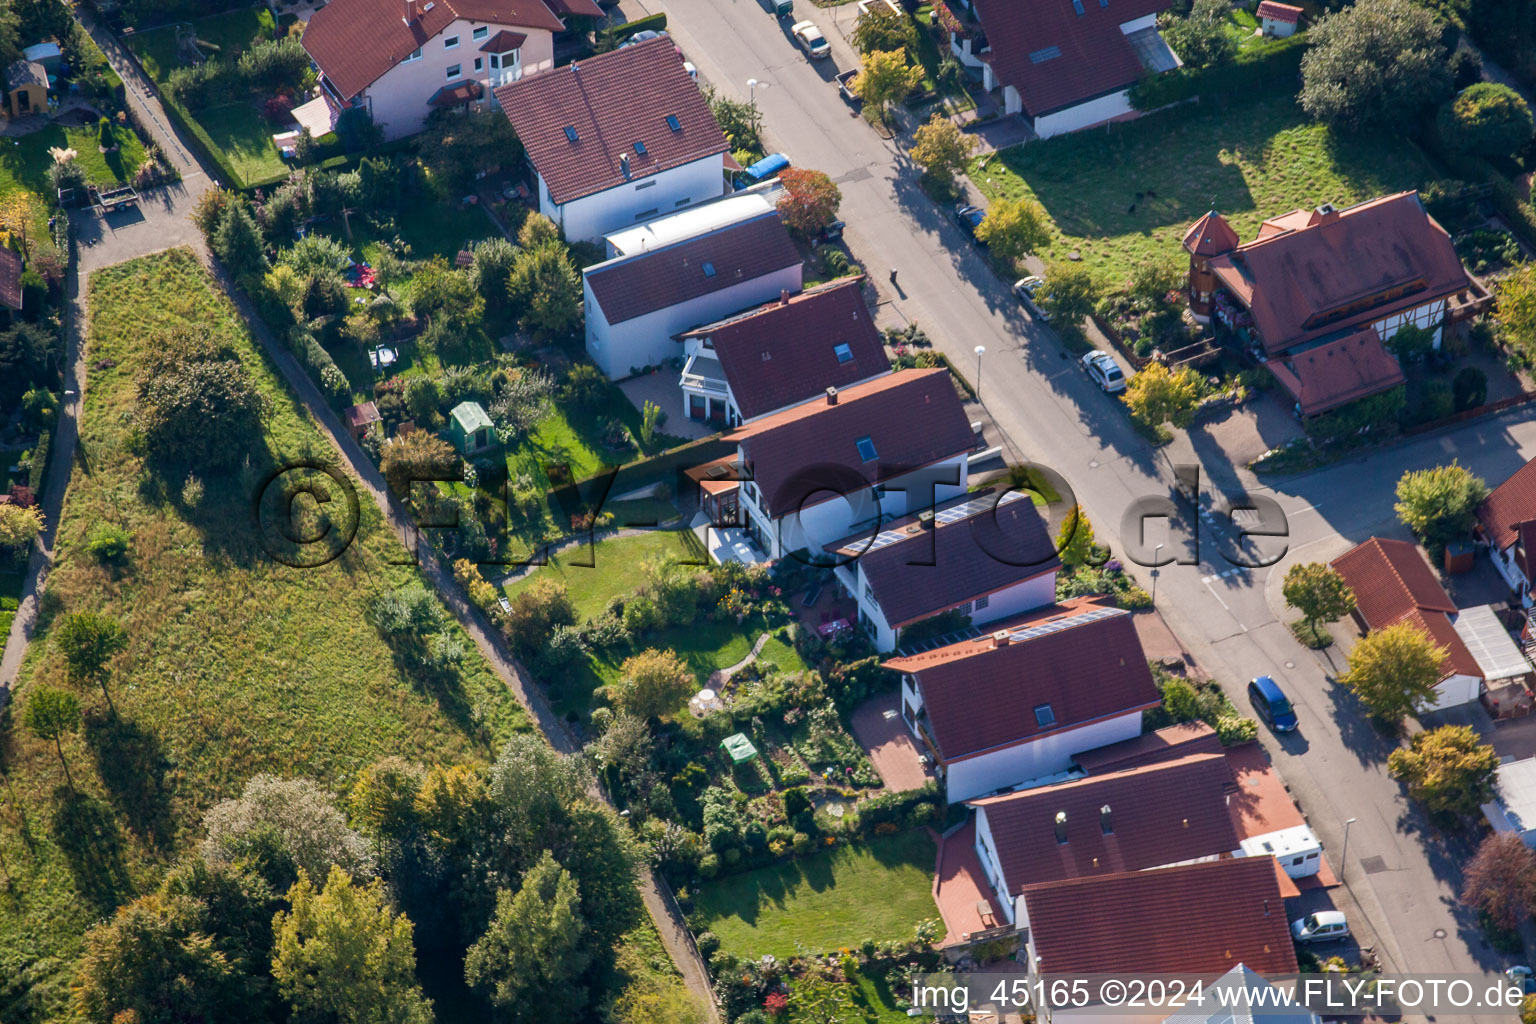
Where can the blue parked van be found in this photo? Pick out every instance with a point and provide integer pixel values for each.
(1270, 702)
(761, 171)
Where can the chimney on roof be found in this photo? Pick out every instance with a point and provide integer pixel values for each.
(1061, 826)
(1105, 824)
(410, 12)
(624, 164)
(1000, 638)
(783, 296)
(831, 396)
(925, 519)
(1326, 214)
(1266, 906)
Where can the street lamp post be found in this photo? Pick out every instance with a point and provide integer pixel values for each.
(752, 91)
(1344, 854)
(981, 350)
(1156, 571)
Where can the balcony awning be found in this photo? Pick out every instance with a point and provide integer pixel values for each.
(456, 95)
(319, 115)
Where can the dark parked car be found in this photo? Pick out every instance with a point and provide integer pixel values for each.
(1271, 704)
(969, 218)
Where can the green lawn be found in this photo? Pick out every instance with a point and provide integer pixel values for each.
(236, 664)
(1252, 162)
(875, 890)
(10, 597)
(24, 162)
(593, 575)
(231, 32)
(245, 137)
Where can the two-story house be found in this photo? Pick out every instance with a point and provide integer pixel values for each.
(1318, 292)
(618, 138)
(402, 59)
(781, 354)
(1506, 520)
(983, 557)
(636, 304)
(1159, 815)
(851, 460)
(1020, 703)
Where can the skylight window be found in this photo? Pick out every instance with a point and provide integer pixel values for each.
(866, 448)
(640, 148)
(570, 133)
(1077, 5)
(709, 269)
(1041, 56)
(1044, 716)
(674, 123)
(844, 353)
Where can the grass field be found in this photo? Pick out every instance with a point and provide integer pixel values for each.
(245, 137)
(1252, 162)
(24, 162)
(231, 32)
(595, 574)
(236, 663)
(876, 890)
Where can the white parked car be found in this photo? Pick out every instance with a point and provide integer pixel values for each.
(1025, 289)
(1323, 926)
(810, 39)
(1104, 371)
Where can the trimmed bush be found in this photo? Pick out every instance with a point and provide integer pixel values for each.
(1273, 67)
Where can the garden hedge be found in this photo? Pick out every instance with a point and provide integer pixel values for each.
(1274, 66)
(653, 22)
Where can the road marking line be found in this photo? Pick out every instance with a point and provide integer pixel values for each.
(1225, 606)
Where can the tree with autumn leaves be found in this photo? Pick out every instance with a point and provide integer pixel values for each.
(810, 202)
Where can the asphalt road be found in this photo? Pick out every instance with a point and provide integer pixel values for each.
(1400, 877)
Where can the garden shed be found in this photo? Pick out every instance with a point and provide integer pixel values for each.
(738, 748)
(471, 428)
(26, 88)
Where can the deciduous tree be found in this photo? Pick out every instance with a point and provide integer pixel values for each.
(1394, 670)
(1200, 38)
(882, 29)
(417, 456)
(1376, 64)
(1500, 880)
(51, 715)
(1157, 395)
(942, 150)
(652, 683)
(810, 202)
(885, 77)
(19, 526)
(659, 1002)
(1014, 228)
(545, 289)
(1489, 119)
(1317, 591)
(197, 404)
(341, 955)
(88, 640)
(536, 949)
(1516, 314)
(1069, 295)
(1440, 504)
(296, 819)
(1448, 769)
(1075, 541)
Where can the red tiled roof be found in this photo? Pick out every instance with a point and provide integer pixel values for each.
(1197, 919)
(1390, 578)
(355, 41)
(10, 278)
(1211, 235)
(1093, 57)
(785, 352)
(1166, 744)
(1159, 814)
(1347, 268)
(581, 8)
(631, 286)
(611, 101)
(978, 696)
(932, 571)
(1511, 504)
(504, 41)
(913, 417)
(1393, 584)
(1338, 372)
(1279, 12)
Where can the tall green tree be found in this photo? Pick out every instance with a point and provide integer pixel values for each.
(341, 956)
(1157, 395)
(51, 715)
(652, 683)
(536, 949)
(1200, 38)
(1069, 295)
(88, 640)
(942, 150)
(1489, 119)
(238, 242)
(1516, 311)
(1500, 880)
(1375, 65)
(546, 291)
(1075, 541)
(1440, 504)
(885, 77)
(1317, 591)
(1448, 770)
(883, 29)
(1014, 228)
(1394, 670)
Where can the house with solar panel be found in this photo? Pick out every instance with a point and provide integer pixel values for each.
(978, 559)
(618, 138)
(1019, 700)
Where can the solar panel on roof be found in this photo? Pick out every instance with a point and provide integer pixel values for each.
(1041, 56)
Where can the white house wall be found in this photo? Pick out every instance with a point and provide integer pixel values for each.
(591, 217)
(1430, 316)
(398, 98)
(1021, 597)
(647, 340)
(1504, 561)
(1084, 115)
(986, 851)
(1047, 754)
(1456, 690)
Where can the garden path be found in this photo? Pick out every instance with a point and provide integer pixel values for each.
(720, 676)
